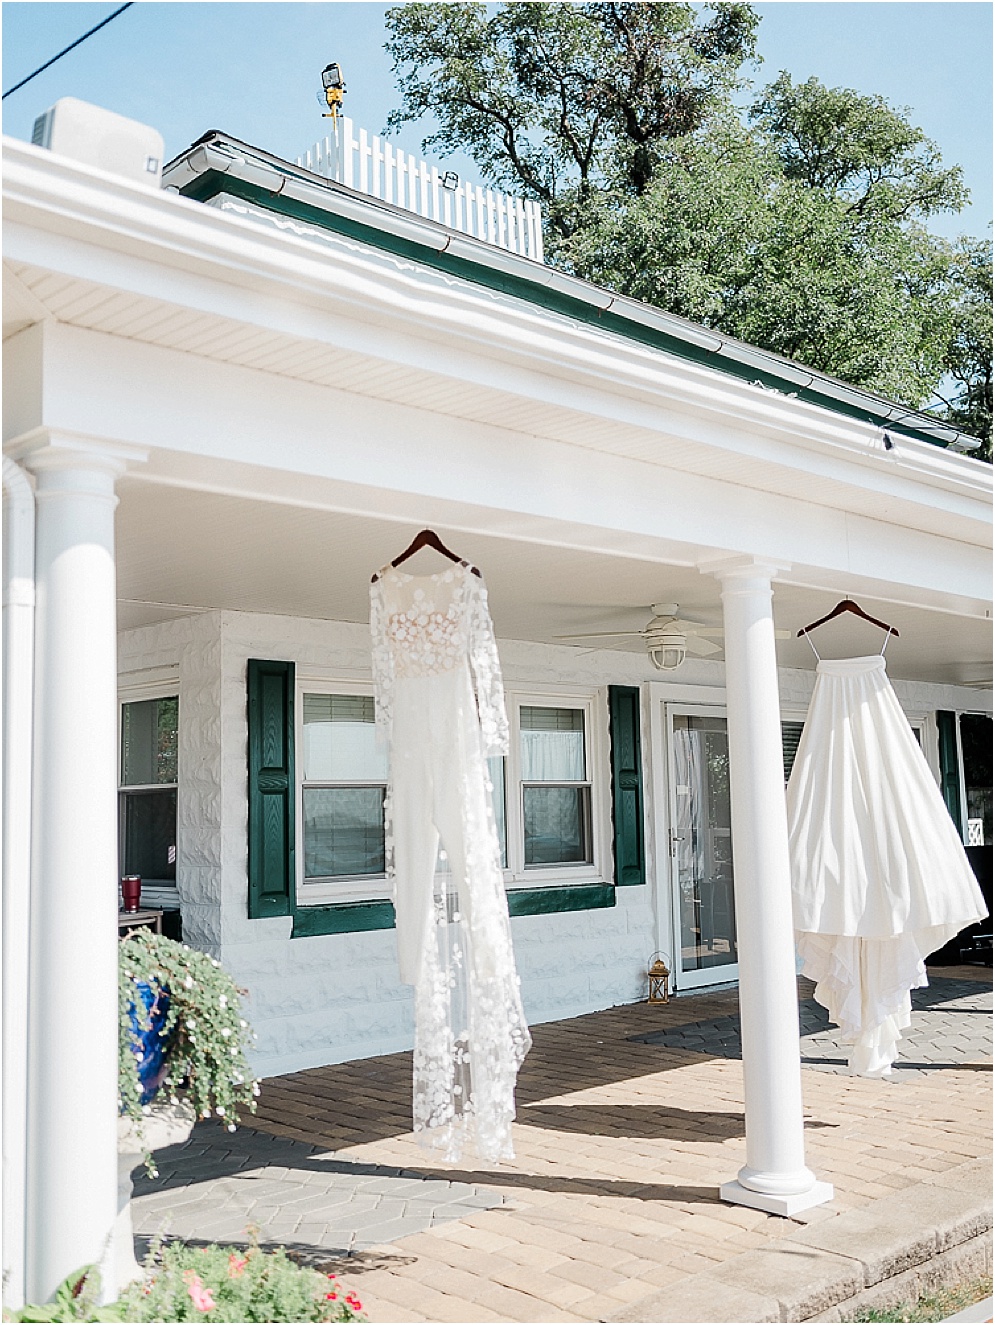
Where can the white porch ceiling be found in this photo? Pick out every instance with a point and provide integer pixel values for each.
(181, 550)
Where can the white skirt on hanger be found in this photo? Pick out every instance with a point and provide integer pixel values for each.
(879, 876)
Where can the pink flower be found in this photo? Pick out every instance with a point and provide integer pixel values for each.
(236, 1264)
(200, 1296)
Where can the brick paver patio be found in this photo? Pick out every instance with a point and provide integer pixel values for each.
(628, 1121)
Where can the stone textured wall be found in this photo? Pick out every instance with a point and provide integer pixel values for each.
(334, 997)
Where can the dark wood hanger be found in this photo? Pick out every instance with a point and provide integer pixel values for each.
(847, 605)
(428, 538)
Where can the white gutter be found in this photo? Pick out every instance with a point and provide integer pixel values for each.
(282, 179)
(18, 666)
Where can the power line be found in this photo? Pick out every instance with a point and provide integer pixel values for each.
(78, 42)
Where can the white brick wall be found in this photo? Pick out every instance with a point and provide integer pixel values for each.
(334, 997)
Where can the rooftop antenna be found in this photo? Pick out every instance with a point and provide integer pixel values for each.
(334, 89)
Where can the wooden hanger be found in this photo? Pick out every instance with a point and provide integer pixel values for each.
(428, 538)
(847, 605)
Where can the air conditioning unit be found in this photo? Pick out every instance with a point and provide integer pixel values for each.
(100, 138)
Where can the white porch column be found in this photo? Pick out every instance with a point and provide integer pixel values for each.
(774, 1177)
(72, 1013)
(18, 683)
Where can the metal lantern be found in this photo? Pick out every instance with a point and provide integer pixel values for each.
(659, 978)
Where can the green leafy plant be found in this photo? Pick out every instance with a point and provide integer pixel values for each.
(75, 1299)
(216, 1283)
(205, 1035)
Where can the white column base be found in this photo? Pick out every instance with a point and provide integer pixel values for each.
(164, 1125)
(736, 1194)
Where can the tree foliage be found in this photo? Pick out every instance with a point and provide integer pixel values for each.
(968, 359)
(857, 148)
(799, 226)
(555, 100)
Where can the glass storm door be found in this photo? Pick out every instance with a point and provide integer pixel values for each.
(701, 849)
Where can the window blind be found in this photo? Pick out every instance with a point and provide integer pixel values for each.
(339, 708)
(535, 719)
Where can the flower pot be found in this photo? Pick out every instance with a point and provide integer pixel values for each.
(151, 1048)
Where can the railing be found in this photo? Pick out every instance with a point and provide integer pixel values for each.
(376, 167)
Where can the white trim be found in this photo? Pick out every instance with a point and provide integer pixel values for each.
(961, 779)
(148, 683)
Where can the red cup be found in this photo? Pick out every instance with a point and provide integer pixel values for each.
(131, 892)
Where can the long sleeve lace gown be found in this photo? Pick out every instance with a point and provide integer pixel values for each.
(440, 702)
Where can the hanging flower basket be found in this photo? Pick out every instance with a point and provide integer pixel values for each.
(149, 1044)
(182, 1038)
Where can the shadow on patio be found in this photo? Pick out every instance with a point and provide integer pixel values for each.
(370, 1099)
(621, 1145)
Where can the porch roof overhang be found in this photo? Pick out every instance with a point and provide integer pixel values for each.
(220, 164)
(471, 407)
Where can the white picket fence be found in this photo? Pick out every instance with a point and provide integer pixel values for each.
(376, 167)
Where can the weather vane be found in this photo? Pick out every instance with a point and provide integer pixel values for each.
(334, 89)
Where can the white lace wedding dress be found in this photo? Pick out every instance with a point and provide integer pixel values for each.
(430, 633)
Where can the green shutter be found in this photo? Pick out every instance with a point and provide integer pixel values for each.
(946, 723)
(627, 785)
(791, 735)
(270, 687)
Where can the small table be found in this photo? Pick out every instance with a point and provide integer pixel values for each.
(127, 921)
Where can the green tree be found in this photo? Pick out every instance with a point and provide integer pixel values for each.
(726, 237)
(799, 227)
(968, 358)
(555, 100)
(857, 148)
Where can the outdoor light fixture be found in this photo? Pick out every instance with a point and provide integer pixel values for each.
(334, 89)
(450, 180)
(659, 978)
(667, 648)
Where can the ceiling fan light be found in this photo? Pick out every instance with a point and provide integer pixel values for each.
(667, 657)
(667, 651)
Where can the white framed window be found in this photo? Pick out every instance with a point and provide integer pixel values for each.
(341, 788)
(342, 774)
(148, 781)
(556, 789)
(550, 794)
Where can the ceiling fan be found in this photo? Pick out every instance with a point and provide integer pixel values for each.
(668, 638)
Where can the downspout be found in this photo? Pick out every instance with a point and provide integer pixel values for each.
(18, 665)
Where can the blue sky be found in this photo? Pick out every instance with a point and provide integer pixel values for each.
(252, 69)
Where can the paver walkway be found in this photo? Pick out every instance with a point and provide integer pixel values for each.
(940, 1035)
(624, 1132)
